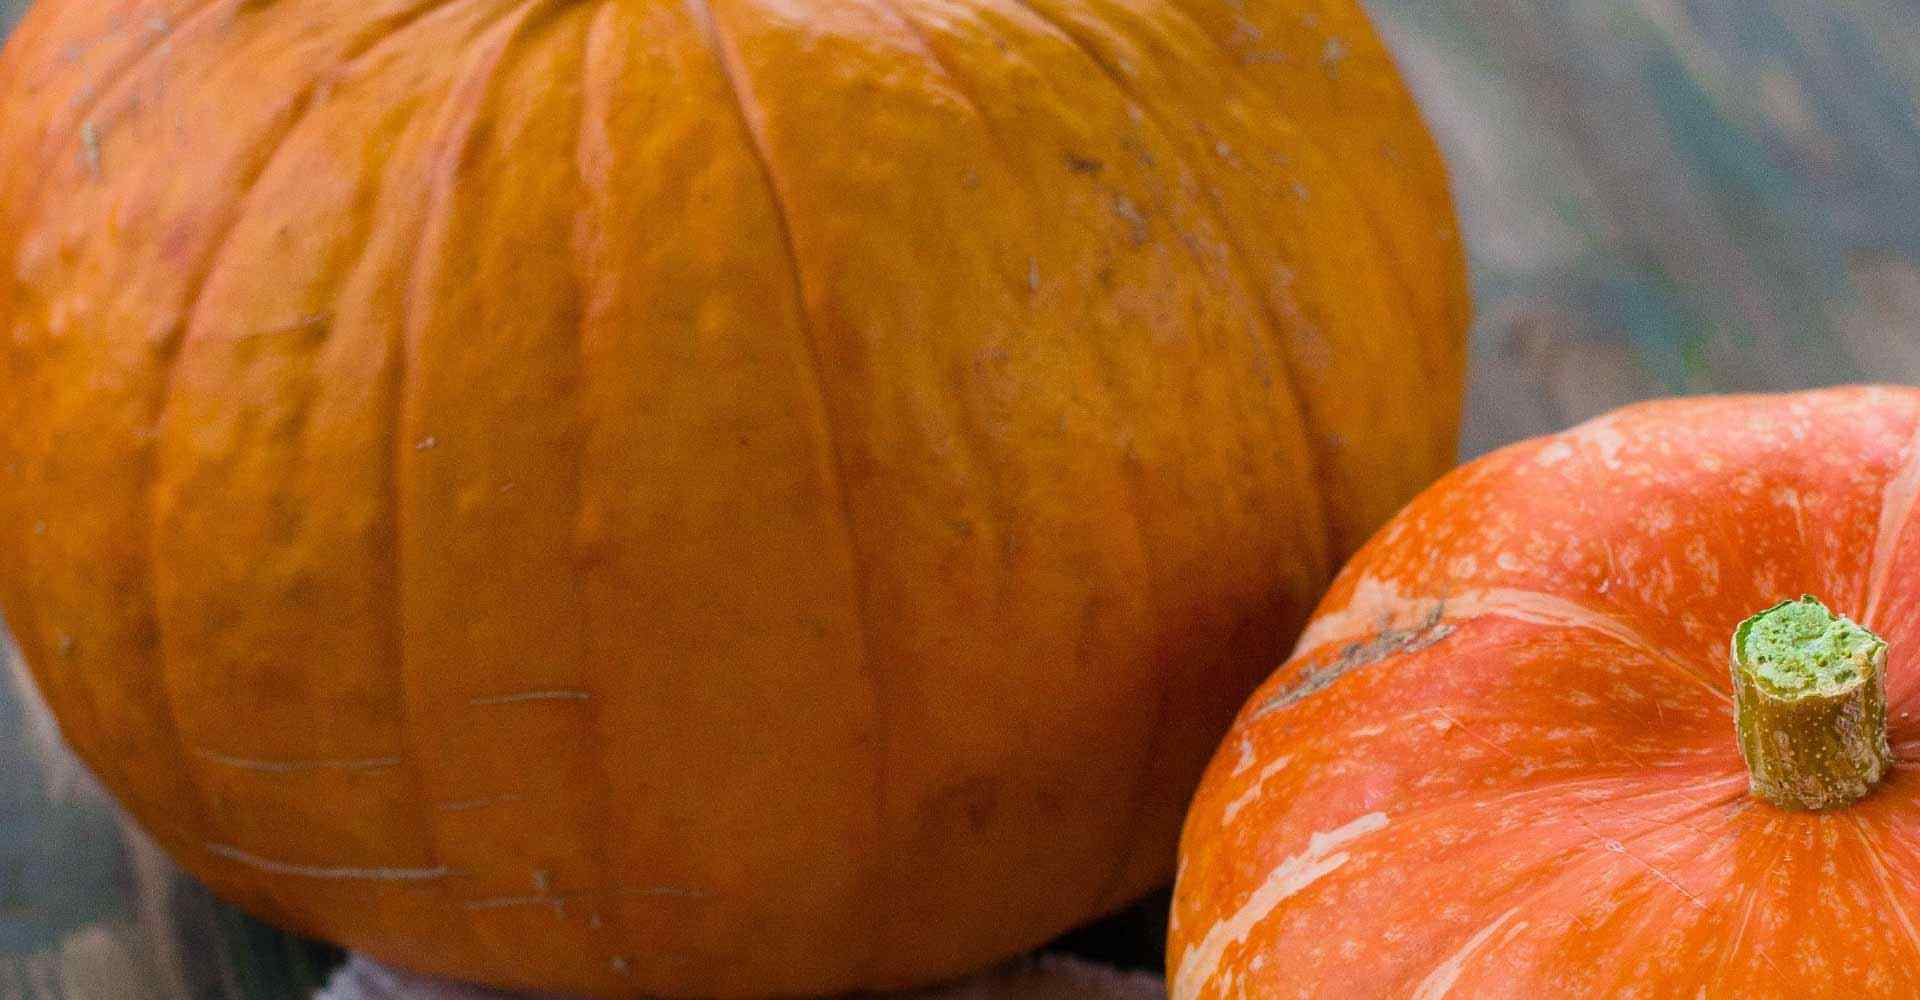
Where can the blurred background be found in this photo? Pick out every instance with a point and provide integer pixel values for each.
(1659, 196)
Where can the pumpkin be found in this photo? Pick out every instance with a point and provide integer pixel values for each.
(730, 498)
(1567, 727)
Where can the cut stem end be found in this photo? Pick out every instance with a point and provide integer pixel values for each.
(1810, 706)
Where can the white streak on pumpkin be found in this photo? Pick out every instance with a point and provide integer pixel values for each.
(1202, 960)
(1246, 798)
(349, 873)
(546, 898)
(1440, 981)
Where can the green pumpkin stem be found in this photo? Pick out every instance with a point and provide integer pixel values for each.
(1810, 706)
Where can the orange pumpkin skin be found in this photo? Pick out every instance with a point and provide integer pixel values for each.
(700, 499)
(1502, 760)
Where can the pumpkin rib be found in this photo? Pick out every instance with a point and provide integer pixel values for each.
(463, 107)
(1875, 855)
(115, 78)
(1210, 203)
(1746, 914)
(1404, 307)
(1104, 887)
(1896, 515)
(169, 357)
(598, 26)
(303, 105)
(727, 60)
(1387, 247)
(278, 140)
(120, 75)
(1211, 206)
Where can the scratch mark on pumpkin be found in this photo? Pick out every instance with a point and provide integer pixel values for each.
(462, 805)
(558, 899)
(1387, 642)
(1298, 872)
(297, 766)
(526, 696)
(312, 323)
(1440, 981)
(346, 873)
(1619, 848)
(1375, 600)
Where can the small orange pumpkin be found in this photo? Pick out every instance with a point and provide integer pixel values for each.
(698, 498)
(1504, 760)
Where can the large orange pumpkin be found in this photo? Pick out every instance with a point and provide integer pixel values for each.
(695, 498)
(1503, 760)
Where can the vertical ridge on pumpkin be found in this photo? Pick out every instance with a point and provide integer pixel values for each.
(489, 523)
(727, 59)
(1896, 515)
(276, 139)
(100, 91)
(248, 377)
(1271, 324)
(593, 155)
(951, 69)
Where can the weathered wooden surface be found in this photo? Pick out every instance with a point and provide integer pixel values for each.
(1660, 197)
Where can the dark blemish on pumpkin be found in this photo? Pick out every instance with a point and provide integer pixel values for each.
(962, 527)
(464, 805)
(1387, 642)
(974, 803)
(1084, 165)
(970, 180)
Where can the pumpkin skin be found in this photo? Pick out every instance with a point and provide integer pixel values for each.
(659, 498)
(1502, 761)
